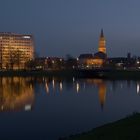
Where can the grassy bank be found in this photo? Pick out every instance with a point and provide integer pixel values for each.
(124, 129)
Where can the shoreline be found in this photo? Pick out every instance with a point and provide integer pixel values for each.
(37, 73)
(126, 128)
(97, 73)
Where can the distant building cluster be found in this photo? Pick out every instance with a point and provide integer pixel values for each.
(17, 52)
(84, 61)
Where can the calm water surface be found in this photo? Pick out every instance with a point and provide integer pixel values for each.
(49, 108)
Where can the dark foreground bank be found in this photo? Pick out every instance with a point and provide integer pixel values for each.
(124, 129)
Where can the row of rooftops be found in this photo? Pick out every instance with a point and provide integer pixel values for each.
(98, 55)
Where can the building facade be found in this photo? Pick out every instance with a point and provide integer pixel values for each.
(15, 50)
(97, 60)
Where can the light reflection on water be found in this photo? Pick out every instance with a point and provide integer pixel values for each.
(16, 94)
(50, 107)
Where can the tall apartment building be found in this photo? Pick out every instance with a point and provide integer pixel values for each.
(15, 50)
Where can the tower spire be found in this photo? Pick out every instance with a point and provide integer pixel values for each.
(102, 43)
(102, 33)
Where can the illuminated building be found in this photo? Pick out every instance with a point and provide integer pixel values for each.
(100, 57)
(102, 43)
(45, 63)
(15, 50)
(89, 61)
(84, 60)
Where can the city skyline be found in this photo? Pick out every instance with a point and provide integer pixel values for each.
(73, 27)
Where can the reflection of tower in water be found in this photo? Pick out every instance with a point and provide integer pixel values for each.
(55, 85)
(101, 89)
(102, 94)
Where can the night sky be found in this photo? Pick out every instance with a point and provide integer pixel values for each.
(63, 27)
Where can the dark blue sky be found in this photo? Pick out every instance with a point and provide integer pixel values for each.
(63, 27)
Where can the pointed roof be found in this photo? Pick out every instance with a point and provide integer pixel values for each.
(102, 33)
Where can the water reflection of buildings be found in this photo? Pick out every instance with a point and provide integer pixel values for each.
(101, 90)
(59, 86)
(56, 84)
(16, 94)
(102, 94)
(138, 88)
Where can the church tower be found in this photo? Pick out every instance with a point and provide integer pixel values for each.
(102, 43)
